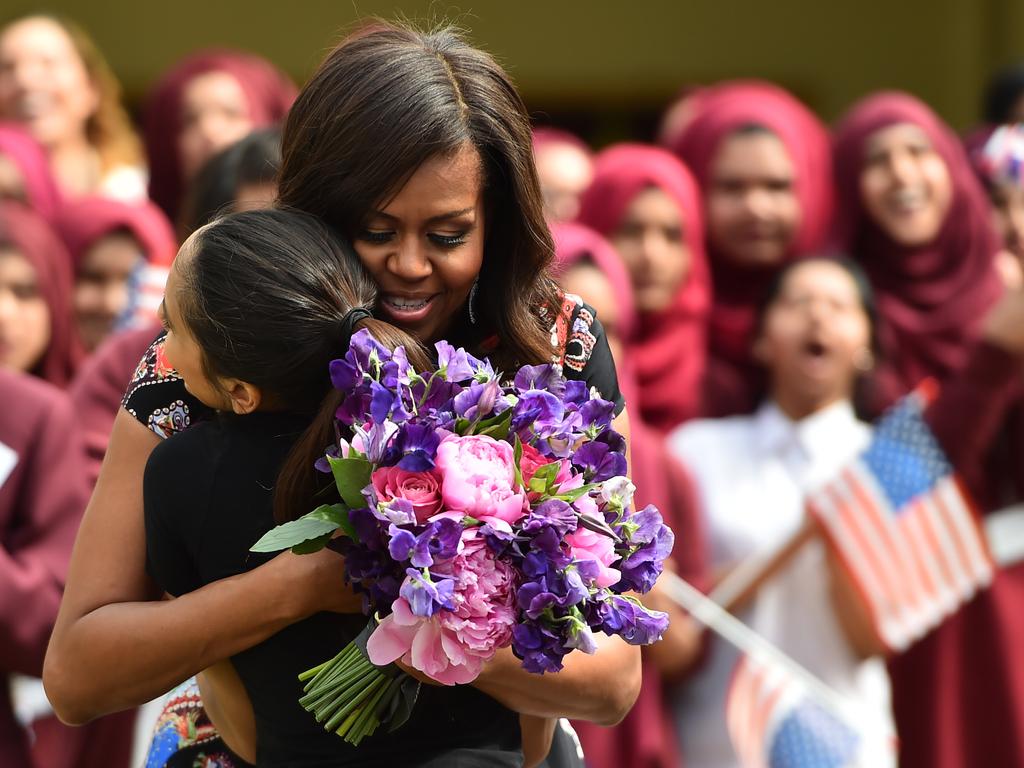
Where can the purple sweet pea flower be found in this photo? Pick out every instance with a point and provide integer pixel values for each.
(439, 540)
(540, 648)
(596, 416)
(618, 615)
(599, 462)
(580, 637)
(554, 514)
(413, 448)
(576, 393)
(354, 409)
(653, 541)
(345, 376)
(543, 377)
(454, 364)
(426, 596)
(480, 401)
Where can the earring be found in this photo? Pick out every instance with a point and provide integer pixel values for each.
(472, 301)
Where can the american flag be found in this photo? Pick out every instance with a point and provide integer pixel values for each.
(904, 527)
(776, 722)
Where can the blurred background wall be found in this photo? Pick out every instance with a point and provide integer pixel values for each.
(606, 68)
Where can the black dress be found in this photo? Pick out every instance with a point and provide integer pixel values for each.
(208, 497)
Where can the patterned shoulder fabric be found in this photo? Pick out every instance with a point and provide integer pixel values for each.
(157, 396)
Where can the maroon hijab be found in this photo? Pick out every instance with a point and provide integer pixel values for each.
(33, 238)
(668, 348)
(41, 192)
(269, 92)
(931, 298)
(721, 110)
(82, 222)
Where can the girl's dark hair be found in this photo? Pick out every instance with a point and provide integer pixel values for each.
(865, 293)
(265, 294)
(387, 99)
(254, 159)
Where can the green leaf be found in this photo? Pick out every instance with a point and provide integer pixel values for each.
(576, 493)
(351, 475)
(517, 455)
(462, 426)
(544, 478)
(496, 426)
(309, 546)
(293, 533)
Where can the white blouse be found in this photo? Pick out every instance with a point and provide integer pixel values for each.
(752, 474)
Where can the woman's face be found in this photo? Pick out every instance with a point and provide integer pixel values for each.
(815, 336)
(652, 243)
(214, 114)
(905, 184)
(752, 209)
(180, 348)
(101, 287)
(425, 246)
(565, 172)
(43, 81)
(24, 315)
(589, 283)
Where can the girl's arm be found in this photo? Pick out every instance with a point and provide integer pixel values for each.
(116, 645)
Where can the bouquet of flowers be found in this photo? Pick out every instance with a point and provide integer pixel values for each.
(476, 514)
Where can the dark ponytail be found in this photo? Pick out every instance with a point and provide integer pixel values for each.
(265, 294)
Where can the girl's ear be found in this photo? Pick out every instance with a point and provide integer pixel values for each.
(243, 396)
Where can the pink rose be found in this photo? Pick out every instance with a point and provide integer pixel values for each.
(479, 479)
(421, 489)
(452, 646)
(585, 544)
(532, 460)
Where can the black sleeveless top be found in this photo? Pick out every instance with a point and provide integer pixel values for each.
(208, 498)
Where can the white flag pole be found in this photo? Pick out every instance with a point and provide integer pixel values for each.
(717, 619)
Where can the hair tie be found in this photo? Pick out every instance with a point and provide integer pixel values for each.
(348, 322)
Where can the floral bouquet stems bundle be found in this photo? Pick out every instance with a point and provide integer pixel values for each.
(474, 515)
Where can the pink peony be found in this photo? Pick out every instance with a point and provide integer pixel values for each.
(421, 489)
(452, 646)
(586, 544)
(479, 479)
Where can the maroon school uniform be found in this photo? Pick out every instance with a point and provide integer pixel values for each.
(43, 491)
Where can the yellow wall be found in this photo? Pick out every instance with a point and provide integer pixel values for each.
(597, 54)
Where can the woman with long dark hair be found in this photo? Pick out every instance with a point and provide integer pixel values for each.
(417, 148)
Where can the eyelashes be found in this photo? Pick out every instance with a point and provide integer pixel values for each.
(442, 241)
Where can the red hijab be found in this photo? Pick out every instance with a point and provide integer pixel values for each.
(721, 110)
(269, 92)
(28, 155)
(82, 222)
(931, 298)
(668, 348)
(33, 238)
(646, 738)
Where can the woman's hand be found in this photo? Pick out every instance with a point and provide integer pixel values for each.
(601, 687)
(318, 583)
